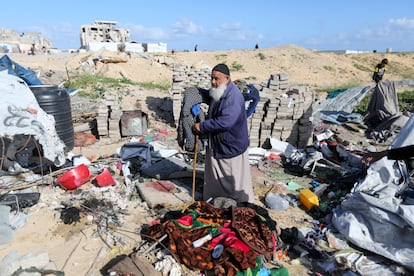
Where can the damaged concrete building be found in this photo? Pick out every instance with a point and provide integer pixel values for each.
(30, 42)
(102, 31)
(103, 34)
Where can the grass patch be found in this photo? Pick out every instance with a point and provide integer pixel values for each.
(406, 101)
(90, 95)
(406, 72)
(93, 85)
(236, 66)
(261, 56)
(328, 68)
(154, 86)
(362, 67)
(95, 82)
(221, 56)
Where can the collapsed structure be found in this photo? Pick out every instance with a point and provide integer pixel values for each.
(102, 31)
(30, 43)
(103, 34)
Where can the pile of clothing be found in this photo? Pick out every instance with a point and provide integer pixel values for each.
(225, 241)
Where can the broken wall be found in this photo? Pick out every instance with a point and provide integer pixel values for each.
(23, 42)
(102, 31)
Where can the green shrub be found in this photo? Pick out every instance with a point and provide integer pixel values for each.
(236, 66)
(328, 68)
(261, 56)
(406, 101)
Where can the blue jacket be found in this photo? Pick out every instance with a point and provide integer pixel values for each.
(227, 125)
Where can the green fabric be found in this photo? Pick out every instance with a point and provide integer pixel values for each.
(197, 224)
(214, 231)
(283, 271)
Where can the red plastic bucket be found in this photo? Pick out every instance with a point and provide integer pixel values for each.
(74, 178)
(105, 178)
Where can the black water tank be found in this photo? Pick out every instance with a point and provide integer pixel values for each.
(56, 101)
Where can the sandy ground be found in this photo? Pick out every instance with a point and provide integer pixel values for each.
(305, 67)
(76, 249)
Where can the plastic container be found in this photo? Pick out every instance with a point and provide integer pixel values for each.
(74, 178)
(276, 202)
(308, 198)
(55, 101)
(104, 178)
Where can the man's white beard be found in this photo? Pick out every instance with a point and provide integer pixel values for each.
(217, 93)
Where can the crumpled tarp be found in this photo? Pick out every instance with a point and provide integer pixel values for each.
(383, 103)
(345, 102)
(15, 69)
(21, 114)
(374, 216)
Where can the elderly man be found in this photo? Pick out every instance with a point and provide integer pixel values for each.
(227, 169)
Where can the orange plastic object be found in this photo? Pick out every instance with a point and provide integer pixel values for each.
(308, 198)
(104, 178)
(74, 178)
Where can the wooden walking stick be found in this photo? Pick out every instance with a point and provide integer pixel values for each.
(195, 164)
(195, 110)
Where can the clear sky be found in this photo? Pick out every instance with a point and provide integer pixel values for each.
(225, 24)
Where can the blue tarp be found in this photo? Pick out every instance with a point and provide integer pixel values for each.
(16, 69)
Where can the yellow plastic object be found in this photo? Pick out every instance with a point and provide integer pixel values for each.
(308, 198)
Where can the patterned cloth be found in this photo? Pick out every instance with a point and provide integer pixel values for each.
(242, 225)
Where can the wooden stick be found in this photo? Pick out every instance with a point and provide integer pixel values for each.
(195, 164)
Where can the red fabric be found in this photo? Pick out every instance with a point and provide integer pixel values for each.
(274, 242)
(229, 238)
(185, 220)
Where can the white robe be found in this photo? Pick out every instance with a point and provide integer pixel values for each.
(228, 177)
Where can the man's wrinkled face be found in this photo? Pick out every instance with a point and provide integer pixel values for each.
(218, 78)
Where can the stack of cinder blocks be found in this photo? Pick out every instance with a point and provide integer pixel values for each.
(183, 78)
(109, 116)
(283, 113)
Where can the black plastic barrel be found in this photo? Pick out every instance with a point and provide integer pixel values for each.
(56, 101)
